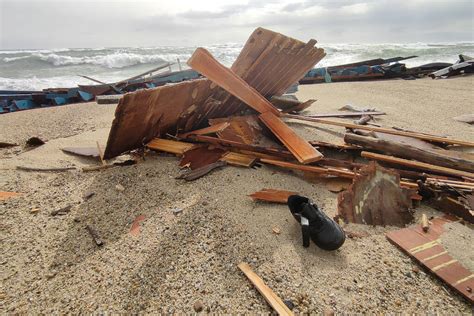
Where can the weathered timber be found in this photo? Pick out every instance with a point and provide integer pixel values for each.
(417, 165)
(383, 130)
(438, 157)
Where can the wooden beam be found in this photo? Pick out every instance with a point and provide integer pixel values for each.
(301, 149)
(203, 62)
(438, 157)
(417, 165)
(275, 302)
(383, 130)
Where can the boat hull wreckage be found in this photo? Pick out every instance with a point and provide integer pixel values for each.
(268, 64)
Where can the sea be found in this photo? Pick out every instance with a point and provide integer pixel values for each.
(36, 69)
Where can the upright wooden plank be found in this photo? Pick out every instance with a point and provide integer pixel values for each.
(203, 62)
(301, 149)
(275, 302)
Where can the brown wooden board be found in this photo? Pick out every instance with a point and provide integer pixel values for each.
(272, 195)
(200, 156)
(145, 114)
(426, 249)
(300, 148)
(170, 146)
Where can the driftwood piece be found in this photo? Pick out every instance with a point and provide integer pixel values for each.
(427, 137)
(438, 157)
(275, 302)
(24, 168)
(95, 236)
(417, 165)
(61, 211)
(198, 173)
(375, 198)
(427, 250)
(272, 195)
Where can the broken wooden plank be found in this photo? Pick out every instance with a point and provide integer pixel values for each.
(170, 146)
(213, 129)
(201, 156)
(427, 137)
(275, 302)
(203, 62)
(301, 149)
(239, 159)
(438, 157)
(375, 198)
(272, 195)
(417, 164)
(427, 250)
(199, 172)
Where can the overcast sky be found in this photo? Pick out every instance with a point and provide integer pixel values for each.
(99, 23)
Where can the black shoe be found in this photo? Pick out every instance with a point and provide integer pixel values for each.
(322, 230)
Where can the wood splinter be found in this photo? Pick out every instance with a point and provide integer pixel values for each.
(425, 225)
(98, 241)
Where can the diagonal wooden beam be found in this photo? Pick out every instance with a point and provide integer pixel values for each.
(203, 62)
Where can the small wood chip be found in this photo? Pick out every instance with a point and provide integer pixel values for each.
(276, 230)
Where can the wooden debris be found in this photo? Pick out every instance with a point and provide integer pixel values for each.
(101, 154)
(427, 137)
(213, 129)
(203, 62)
(197, 173)
(170, 146)
(82, 151)
(417, 165)
(7, 145)
(425, 225)
(135, 228)
(95, 236)
(461, 206)
(238, 159)
(61, 211)
(375, 198)
(97, 168)
(440, 157)
(317, 143)
(5, 195)
(272, 195)
(35, 169)
(342, 115)
(364, 119)
(276, 230)
(275, 302)
(201, 156)
(301, 149)
(290, 105)
(427, 250)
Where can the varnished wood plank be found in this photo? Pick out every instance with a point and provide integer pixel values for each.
(170, 146)
(272, 195)
(301, 149)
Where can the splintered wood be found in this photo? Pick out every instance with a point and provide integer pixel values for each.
(375, 198)
(272, 195)
(203, 62)
(426, 249)
(269, 62)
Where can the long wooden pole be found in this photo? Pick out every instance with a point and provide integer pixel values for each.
(417, 164)
(382, 130)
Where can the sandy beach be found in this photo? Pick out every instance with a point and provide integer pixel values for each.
(50, 264)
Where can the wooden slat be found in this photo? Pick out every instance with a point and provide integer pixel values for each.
(417, 164)
(425, 248)
(272, 195)
(382, 130)
(275, 302)
(238, 159)
(301, 149)
(170, 146)
(203, 62)
(216, 128)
